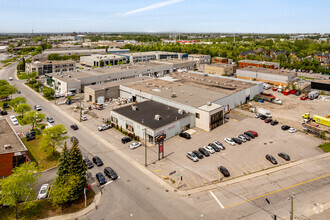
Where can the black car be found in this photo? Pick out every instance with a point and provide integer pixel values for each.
(88, 163)
(185, 135)
(237, 140)
(250, 134)
(101, 178)
(5, 105)
(198, 154)
(215, 147)
(74, 138)
(284, 156)
(125, 140)
(4, 112)
(74, 127)
(285, 127)
(224, 171)
(268, 120)
(262, 117)
(97, 161)
(110, 173)
(31, 135)
(274, 122)
(204, 151)
(247, 137)
(226, 117)
(271, 159)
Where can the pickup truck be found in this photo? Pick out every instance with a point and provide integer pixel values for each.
(104, 127)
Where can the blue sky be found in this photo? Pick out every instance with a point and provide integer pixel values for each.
(241, 16)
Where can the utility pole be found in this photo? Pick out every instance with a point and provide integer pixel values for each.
(80, 110)
(291, 213)
(145, 147)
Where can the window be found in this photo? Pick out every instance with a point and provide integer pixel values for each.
(129, 128)
(70, 64)
(114, 120)
(64, 70)
(197, 115)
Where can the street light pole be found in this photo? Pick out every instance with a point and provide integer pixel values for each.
(291, 213)
(145, 147)
(80, 110)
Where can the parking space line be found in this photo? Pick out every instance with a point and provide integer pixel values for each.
(234, 171)
(257, 166)
(203, 179)
(194, 180)
(177, 183)
(264, 165)
(211, 175)
(242, 169)
(186, 182)
(217, 200)
(249, 167)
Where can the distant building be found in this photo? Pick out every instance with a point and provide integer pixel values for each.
(99, 60)
(3, 49)
(55, 66)
(221, 60)
(274, 53)
(153, 55)
(321, 85)
(13, 152)
(117, 50)
(200, 58)
(321, 56)
(259, 64)
(220, 69)
(248, 52)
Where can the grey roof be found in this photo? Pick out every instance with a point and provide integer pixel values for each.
(244, 53)
(8, 136)
(146, 111)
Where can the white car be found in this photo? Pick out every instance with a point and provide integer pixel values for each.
(104, 127)
(43, 191)
(209, 149)
(10, 78)
(84, 118)
(219, 145)
(230, 141)
(14, 120)
(242, 138)
(135, 145)
(292, 130)
(37, 107)
(192, 156)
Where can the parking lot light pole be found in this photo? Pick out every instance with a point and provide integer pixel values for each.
(80, 110)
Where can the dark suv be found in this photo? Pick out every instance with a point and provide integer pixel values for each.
(97, 161)
(110, 173)
(125, 140)
(271, 159)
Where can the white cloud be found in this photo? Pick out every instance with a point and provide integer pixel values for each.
(153, 6)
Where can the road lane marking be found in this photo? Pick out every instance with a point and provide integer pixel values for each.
(194, 180)
(217, 200)
(157, 170)
(279, 190)
(176, 186)
(203, 179)
(186, 182)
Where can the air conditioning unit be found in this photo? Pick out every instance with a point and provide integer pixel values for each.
(181, 111)
(134, 108)
(7, 146)
(173, 95)
(158, 117)
(208, 103)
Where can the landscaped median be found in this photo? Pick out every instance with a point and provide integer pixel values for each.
(325, 147)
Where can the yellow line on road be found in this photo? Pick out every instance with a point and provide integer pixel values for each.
(279, 190)
(178, 181)
(203, 179)
(249, 167)
(256, 165)
(242, 169)
(194, 180)
(186, 182)
(264, 165)
(235, 171)
(157, 170)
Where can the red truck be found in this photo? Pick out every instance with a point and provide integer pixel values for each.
(304, 97)
(267, 94)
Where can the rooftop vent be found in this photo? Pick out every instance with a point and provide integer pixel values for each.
(134, 108)
(173, 95)
(7, 146)
(69, 76)
(181, 111)
(158, 117)
(208, 103)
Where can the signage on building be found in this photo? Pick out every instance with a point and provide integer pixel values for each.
(160, 137)
(161, 149)
(173, 126)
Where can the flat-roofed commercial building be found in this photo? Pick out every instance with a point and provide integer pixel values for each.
(55, 66)
(220, 69)
(99, 60)
(150, 118)
(258, 64)
(153, 55)
(73, 51)
(200, 58)
(271, 76)
(12, 151)
(221, 60)
(321, 85)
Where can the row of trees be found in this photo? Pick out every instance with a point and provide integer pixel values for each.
(55, 56)
(6, 89)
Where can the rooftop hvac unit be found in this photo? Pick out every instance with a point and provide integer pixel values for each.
(158, 117)
(208, 103)
(7, 146)
(69, 76)
(173, 95)
(134, 108)
(181, 111)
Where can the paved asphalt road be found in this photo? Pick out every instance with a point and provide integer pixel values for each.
(136, 196)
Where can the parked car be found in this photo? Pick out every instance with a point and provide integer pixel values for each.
(135, 145)
(226, 116)
(230, 141)
(84, 118)
(104, 127)
(250, 134)
(125, 140)
(88, 163)
(97, 161)
(284, 156)
(271, 159)
(10, 78)
(31, 135)
(185, 135)
(215, 147)
(224, 171)
(192, 156)
(5, 105)
(74, 138)
(74, 127)
(237, 140)
(14, 120)
(50, 119)
(4, 112)
(204, 151)
(292, 130)
(209, 149)
(274, 122)
(198, 154)
(257, 115)
(263, 117)
(247, 137)
(254, 133)
(37, 107)
(108, 171)
(242, 138)
(101, 178)
(43, 191)
(268, 120)
(285, 127)
(219, 145)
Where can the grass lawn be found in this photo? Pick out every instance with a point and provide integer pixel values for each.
(325, 147)
(45, 209)
(38, 156)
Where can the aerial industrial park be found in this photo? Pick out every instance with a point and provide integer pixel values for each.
(123, 123)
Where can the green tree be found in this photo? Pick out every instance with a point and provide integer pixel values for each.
(52, 138)
(22, 108)
(33, 117)
(63, 167)
(3, 82)
(16, 187)
(48, 93)
(7, 90)
(17, 101)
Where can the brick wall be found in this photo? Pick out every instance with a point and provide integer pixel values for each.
(6, 164)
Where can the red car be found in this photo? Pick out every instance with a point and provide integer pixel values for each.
(304, 97)
(267, 120)
(255, 133)
(274, 89)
